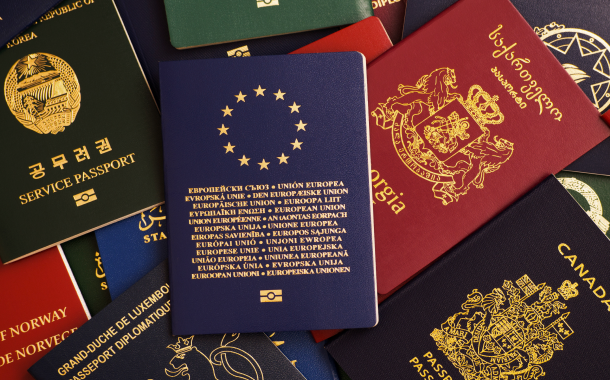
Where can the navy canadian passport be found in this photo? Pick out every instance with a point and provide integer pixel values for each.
(131, 339)
(17, 15)
(525, 297)
(578, 35)
(269, 208)
(146, 24)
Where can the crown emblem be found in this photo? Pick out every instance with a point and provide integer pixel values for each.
(483, 107)
(568, 290)
(183, 345)
(541, 32)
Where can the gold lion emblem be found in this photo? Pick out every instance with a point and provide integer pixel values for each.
(43, 93)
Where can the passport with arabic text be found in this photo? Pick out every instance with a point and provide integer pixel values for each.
(268, 193)
(525, 297)
(81, 132)
(132, 247)
(41, 307)
(131, 339)
(465, 130)
(193, 23)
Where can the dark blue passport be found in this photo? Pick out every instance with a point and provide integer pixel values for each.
(17, 15)
(269, 195)
(132, 247)
(526, 296)
(146, 24)
(131, 339)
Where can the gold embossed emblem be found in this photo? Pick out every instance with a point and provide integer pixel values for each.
(509, 333)
(43, 93)
(586, 57)
(442, 137)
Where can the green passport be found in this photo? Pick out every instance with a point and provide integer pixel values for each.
(81, 136)
(194, 23)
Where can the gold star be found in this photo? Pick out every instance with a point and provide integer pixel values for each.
(296, 144)
(223, 130)
(31, 61)
(227, 111)
(284, 159)
(243, 160)
(229, 148)
(241, 97)
(294, 107)
(279, 94)
(264, 164)
(301, 125)
(260, 91)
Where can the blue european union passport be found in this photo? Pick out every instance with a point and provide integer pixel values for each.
(132, 247)
(524, 297)
(131, 339)
(17, 15)
(146, 24)
(267, 172)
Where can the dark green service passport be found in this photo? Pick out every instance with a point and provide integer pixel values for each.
(84, 259)
(194, 23)
(80, 130)
(592, 192)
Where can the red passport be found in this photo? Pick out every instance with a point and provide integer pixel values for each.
(367, 37)
(392, 16)
(467, 114)
(41, 306)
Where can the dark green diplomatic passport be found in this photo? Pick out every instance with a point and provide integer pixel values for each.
(85, 261)
(80, 130)
(195, 23)
(592, 192)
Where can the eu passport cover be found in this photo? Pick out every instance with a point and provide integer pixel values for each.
(81, 133)
(16, 15)
(268, 193)
(194, 23)
(41, 307)
(465, 129)
(525, 297)
(131, 339)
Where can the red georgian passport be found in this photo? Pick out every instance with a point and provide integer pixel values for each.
(367, 37)
(467, 114)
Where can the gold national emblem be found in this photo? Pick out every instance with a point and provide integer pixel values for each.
(508, 333)
(442, 137)
(43, 93)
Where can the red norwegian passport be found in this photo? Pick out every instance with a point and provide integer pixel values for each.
(367, 37)
(466, 115)
(41, 306)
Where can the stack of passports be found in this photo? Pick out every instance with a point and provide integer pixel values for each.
(268, 193)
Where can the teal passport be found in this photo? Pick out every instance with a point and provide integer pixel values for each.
(81, 135)
(195, 23)
(268, 193)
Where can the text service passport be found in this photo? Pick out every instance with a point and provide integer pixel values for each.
(269, 195)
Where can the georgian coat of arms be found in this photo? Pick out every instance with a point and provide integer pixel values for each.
(496, 339)
(441, 136)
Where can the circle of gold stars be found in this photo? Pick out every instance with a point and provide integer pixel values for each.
(241, 97)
